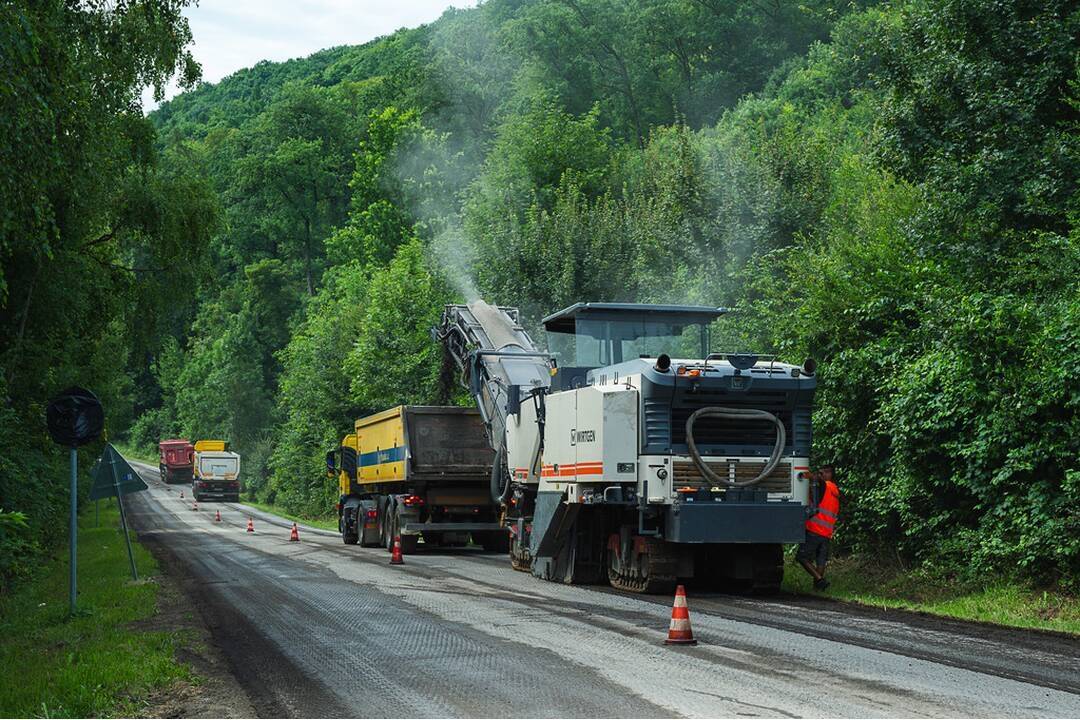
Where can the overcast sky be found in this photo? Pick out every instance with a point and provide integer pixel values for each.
(235, 34)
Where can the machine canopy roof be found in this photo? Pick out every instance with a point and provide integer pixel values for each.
(565, 321)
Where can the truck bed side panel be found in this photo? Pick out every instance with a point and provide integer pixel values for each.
(435, 446)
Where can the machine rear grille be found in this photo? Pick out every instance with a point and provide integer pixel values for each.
(686, 474)
(724, 432)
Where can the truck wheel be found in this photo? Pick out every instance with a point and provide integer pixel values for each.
(350, 537)
(408, 544)
(386, 527)
(367, 541)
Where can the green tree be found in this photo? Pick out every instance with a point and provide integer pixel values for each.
(94, 232)
(394, 360)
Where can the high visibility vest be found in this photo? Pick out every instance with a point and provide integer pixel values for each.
(828, 509)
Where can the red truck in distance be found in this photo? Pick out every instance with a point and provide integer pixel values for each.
(175, 460)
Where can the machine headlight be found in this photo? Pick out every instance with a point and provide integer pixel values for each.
(662, 473)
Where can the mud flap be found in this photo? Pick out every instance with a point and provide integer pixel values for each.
(552, 522)
(568, 544)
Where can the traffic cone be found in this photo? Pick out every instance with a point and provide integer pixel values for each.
(195, 506)
(217, 516)
(294, 536)
(251, 526)
(395, 555)
(680, 633)
(181, 494)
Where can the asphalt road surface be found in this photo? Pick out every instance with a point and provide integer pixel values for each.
(319, 628)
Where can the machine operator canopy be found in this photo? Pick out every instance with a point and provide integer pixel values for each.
(592, 335)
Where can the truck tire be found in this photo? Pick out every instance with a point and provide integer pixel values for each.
(349, 538)
(368, 542)
(386, 527)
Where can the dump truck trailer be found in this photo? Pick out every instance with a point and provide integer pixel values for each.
(175, 460)
(417, 471)
(216, 471)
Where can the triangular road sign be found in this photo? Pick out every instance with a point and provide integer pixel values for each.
(113, 476)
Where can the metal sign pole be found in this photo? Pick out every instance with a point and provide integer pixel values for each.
(74, 418)
(74, 521)
(123, 522)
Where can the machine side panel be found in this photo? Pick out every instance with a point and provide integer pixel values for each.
(560, 455)
(522, 441)
(619, 434)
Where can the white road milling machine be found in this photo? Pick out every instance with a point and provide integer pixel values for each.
(628, 452)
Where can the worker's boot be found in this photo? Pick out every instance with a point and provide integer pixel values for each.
(821, 584)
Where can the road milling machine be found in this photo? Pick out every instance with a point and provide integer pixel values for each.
(627, 451)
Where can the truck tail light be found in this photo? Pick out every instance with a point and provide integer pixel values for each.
(371, 514)
(411, 500)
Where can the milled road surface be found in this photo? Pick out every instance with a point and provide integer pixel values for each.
(319, 628)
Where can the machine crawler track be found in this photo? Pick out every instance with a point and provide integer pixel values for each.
(652, 568)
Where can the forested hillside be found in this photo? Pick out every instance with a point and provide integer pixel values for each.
(889, 188)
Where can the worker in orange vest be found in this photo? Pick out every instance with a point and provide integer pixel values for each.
(814, 551)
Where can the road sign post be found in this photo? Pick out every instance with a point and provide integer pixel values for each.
(74, 417)
(74, 528)
(113, 477)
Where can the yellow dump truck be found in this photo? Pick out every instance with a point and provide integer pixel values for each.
(215, 472)
(417, 471)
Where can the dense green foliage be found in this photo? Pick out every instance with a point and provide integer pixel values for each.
(889, 188)
(100, 233)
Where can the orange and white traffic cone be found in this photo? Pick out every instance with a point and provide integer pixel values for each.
(195, 506)
(181, 494)
(294, 536)
(396, 557)
(251, 526)
(217, 516)
(679, 633)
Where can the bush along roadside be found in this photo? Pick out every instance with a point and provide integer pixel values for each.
(883, 583)
(97, 662)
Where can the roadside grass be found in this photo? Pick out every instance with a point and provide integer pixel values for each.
(94, 663)
(322, 523)
(871, 581)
